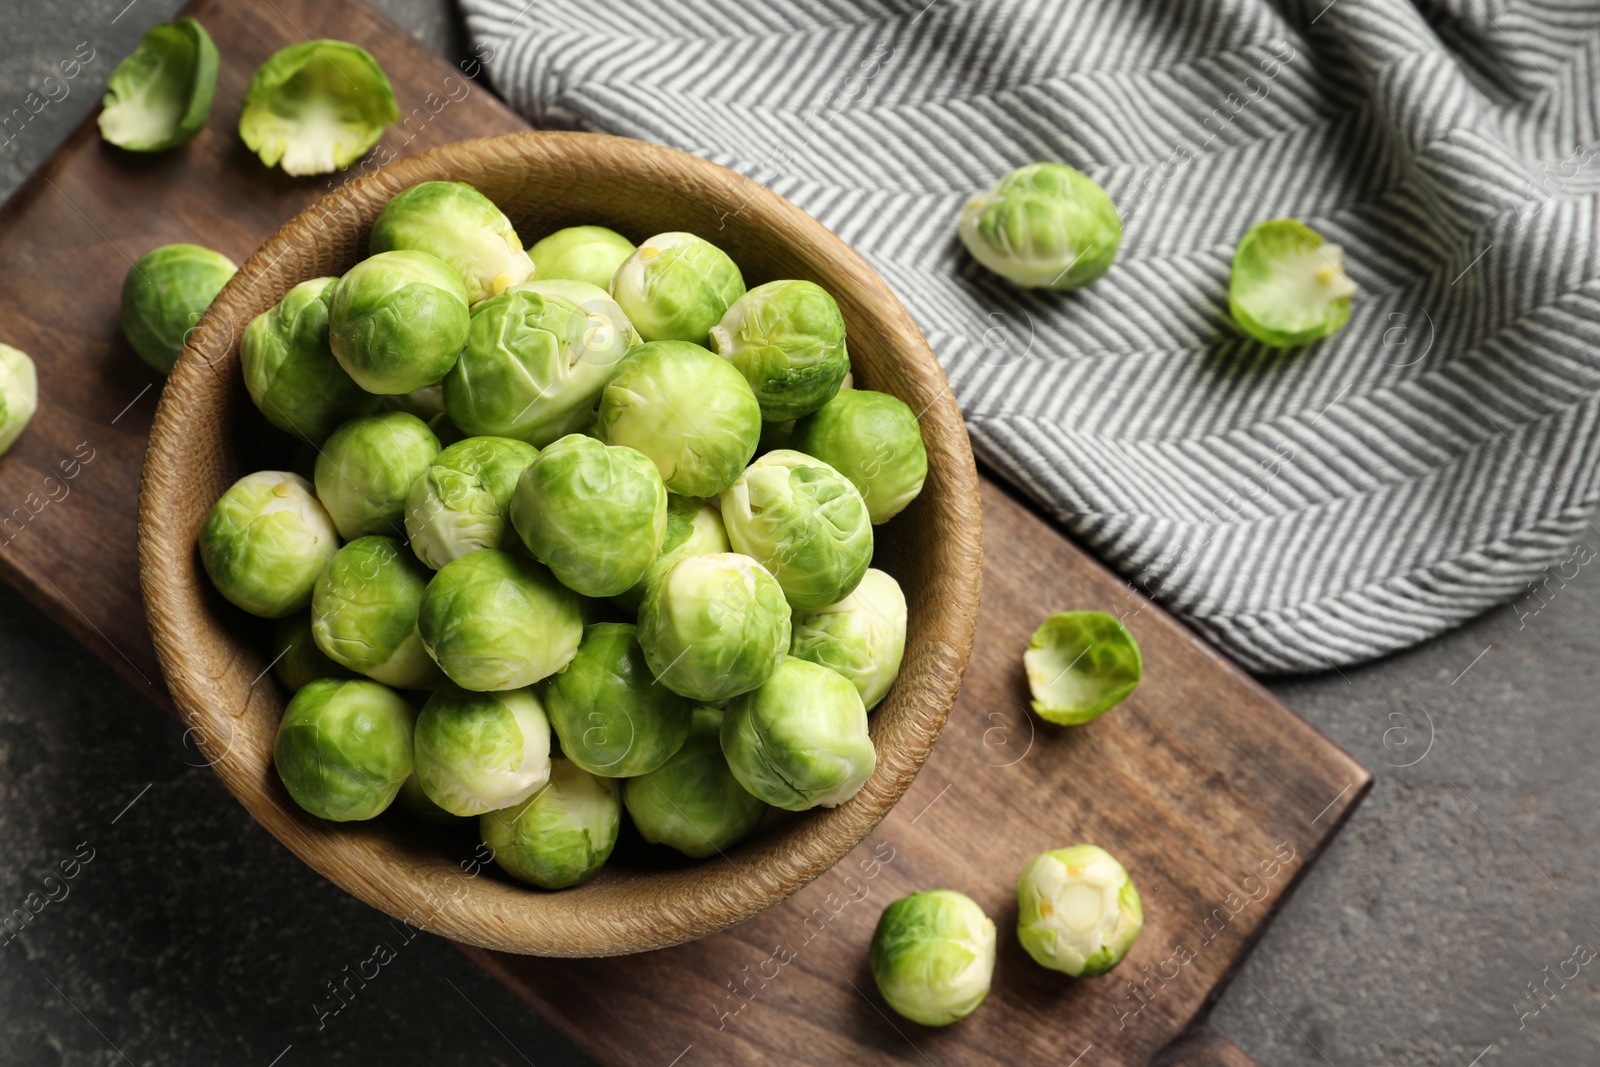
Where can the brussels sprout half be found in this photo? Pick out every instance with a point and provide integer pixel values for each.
(862, 637)
(478, 752)
(677, 286)
(1045, 225)
(397, 321)
(613, 717)
(164, 295)
(873, 439)
(933, 956)
(290, 371)
(1288, 287)
(296, 659)
(461, 226)
(462, 501)
(1077, 910)
(160, 96)
(694, 528)
(365, 471)
(692, 802)
(364, 613)
(562, 834)
(1080, 665)
(713, 626)
(265, 542)
(787, 339)
(19, 394)
(344, 748)
(316, 106)
(582, 253)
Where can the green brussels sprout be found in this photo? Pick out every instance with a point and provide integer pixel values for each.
(1288, 287)
(800, 739)
(713, 626)
(803, 521)
(316, 107)
(862, 637)
(462, 501)
(676, 286)
(416, 803)
(583, 253)
(365, 471)
(425, 403)
(364, 613)
(537, 357)
(692, 802)
(165, 294)
(594, 513)
(562, 834)
(495, 621)
(461, 226)
(1080, 665)
(290, 371)
(874, 440)
(479, 752)
(19, 394)
(397, 321)
(296, 659)
(160, 96)
(693, 414)
(1077, 910)
(933, 956)
(344, 748)
(787, 339)
(265, 542)
(694, 527)
(1045, 225)
(611, 716)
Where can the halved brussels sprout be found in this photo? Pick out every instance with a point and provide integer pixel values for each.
(265, 542)
(397, 321)
(19, 394)
(165, 294)
(344, 748)
(787, 339)
(461, 226)
(694, 527)
(1288, 287)
(416, 803)
(316, 106)
(862, 637)
(583, 253)
(160, 96)
(676, 286)
(1045, 225)
(713, 626)
(296, 659)
(1080, 665)
(933, 956)
(562, 834)
(462, 500)
(366, 470)
(692, 802)
(1077, 910)
(364, 613)
(873, 439)
(290, 370)
(479, 752)
(612, 717)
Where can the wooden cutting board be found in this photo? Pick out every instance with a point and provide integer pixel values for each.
(1214, 795)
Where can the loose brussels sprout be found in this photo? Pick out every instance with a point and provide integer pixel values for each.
(800, 740)
(692, 802)
(364, 613)
(805, 522)
(416, 803)
(316, 106)
(713, 626)
(461, 226)
(933, 956)
(265, 542)
(367, 468)
(595, 514)
(873, 439)
(562, 834)
(165, 294)
(787, 339)
(583, 253)
(612, 717)
(397, 321)
(290, 370)
(344, 748)
(479, 752)
(160, 96)
(19, 394)
(1080, 664)
(694, 527)
(677, 286)
(296, 659)
(537, 357)
(1077, 910)
(862, 637)
(693, 414)
(1045, 225)
(1288, 287)
(462, 500)
(495, 621)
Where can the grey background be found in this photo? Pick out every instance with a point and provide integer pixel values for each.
(191, 937)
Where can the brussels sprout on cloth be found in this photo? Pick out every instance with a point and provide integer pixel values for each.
(562, 834)
(316, 106)
(933, 956)
(461, 226)
(692, 802)
(1045, 225)
(290, 370)
(1077, 910)
(461, 502)
(589, 254)
(873, 439)
(677, 286)
(787, 339)
(862, 637)
(160, 96)
(1080, 665)
(496, 621)
(365, 471)
(164, 295)
(19, 394)
(478, 752)
(713, 626)
(397, 321)
(1288, 286)
(364, 613)
(344, 748)
(610, 714)
(265, 542)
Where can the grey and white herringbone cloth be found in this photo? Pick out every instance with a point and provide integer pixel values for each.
(1302, 510)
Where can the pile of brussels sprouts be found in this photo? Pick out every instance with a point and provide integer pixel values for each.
(552, 561)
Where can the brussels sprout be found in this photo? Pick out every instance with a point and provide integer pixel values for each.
(290, 370)
(800, 740)
(862, 637)
(316, 106)
(397, 321)
(805, 522)
(160, 96)
(416, 803)
(595, 514)
(426, 403)
(537, 357)
(562, 834)
(1077, 910)
(479, 752)
(583, 253)
(787, 339)
(19, 394)
(1080, 664)
(677, 286)
(692, 802)
(296, 659)
(611, 716)
(933, 956)
(344, 748)
(874, 440)
(1045, 225)
(495, 621)
(694, 527)
(461, 226)
(164, 296)
(713, 626)
(690, 412)
(364, 613)
(1288, 287)
(367, 468)
(462, 500)
(265, 541)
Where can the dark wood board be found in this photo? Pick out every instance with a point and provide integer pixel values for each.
(1195, 782)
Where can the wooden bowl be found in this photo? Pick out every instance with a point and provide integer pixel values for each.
(216, 659)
